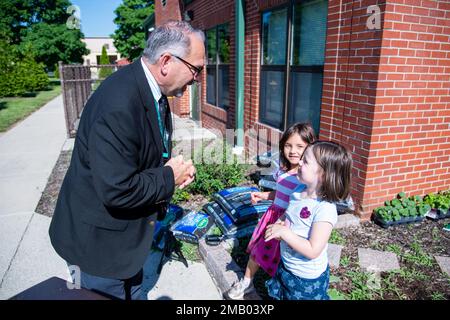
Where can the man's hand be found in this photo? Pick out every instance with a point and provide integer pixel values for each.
(183, 172)
(191, 178)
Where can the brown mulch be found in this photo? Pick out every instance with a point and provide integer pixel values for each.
(47, 203)
(420, 277)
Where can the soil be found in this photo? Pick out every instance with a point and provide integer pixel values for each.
(47, 203)
(420, 276)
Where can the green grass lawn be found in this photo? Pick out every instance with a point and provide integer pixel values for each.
(15, 109)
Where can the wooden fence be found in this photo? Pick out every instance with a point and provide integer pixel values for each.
(77, 84)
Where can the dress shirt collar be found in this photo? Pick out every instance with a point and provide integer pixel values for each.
(156, 91)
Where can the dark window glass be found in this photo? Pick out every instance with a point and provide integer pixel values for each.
(272, 98)
(308, 33)
(304, 68)
(211, 45)
(224, 100)
(224, 44)
(305, 98)
(274, 37)
(211, 84)
(217, 81)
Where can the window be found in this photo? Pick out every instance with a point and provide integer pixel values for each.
(106, 45)
(218, 66)
(300, 99)
(273, 67)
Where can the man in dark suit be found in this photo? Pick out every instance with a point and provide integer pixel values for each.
(122, 175)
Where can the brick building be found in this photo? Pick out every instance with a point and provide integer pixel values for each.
(373, 75)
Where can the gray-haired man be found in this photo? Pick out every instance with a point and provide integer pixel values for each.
(122, 174)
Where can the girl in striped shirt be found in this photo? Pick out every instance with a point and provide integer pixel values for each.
(267, 254)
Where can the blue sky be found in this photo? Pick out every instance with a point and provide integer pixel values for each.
(97, 16)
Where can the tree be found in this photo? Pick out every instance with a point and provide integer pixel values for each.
(129, 37)
(16, 16)
(42, 24)
(105, 71)
(55, 42)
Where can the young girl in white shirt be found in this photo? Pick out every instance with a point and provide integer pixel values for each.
(303, 273)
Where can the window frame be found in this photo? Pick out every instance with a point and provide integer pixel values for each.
(287, 68)
(217, 66)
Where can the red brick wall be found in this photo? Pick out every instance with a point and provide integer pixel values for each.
(206, 16)
(171, 11)
(410, 145)
(349, 86)
(386, 92)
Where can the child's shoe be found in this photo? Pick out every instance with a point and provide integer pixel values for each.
(238, 290)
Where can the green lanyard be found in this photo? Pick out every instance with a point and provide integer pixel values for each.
(163, 131)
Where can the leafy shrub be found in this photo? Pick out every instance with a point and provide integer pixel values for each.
(35, 77)
(19, 75)
(212, 177)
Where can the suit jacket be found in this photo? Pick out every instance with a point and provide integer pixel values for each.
(105, 213)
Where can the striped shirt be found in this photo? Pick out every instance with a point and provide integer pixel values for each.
(286, 183)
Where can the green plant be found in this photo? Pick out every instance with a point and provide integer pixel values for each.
(402, 207)
(56, 72)
(345, 261)
(389, 286)
(395, 248)
(439, 201)
(411, 274)
(180, 195)
(104, 71)
(418, 256)
(215, 230)
(436, 234)
(19, 73)
(336, 294)
(360, 290)
(336, 238)
(437, 296)
(216, 169)
(190, 251)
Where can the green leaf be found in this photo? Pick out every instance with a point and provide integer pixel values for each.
(129, 36)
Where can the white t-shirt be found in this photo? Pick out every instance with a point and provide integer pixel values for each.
(319, 211)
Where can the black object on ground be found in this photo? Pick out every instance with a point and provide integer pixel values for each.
(172, 250)
(56, 289)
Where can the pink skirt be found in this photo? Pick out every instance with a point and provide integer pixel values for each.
(266, 254)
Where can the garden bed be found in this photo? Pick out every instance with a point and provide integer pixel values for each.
(419, 277)
(415, 244)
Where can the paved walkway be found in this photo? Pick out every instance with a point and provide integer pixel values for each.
(29, 152)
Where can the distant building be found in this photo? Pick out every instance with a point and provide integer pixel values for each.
(95, 45)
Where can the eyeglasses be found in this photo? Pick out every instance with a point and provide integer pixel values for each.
(197, 70)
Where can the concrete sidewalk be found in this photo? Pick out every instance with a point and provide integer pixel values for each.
(29, 152)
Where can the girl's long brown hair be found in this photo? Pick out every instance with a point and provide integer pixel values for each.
(336, 163)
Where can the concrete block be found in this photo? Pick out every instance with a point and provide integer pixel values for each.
(347, 220)
(334, 254)
(377, 261)
(444, 263)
